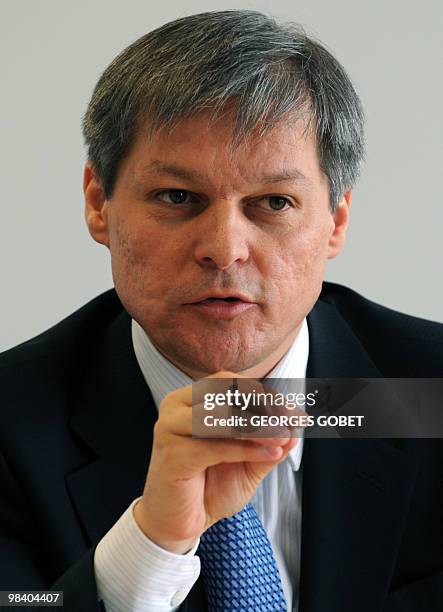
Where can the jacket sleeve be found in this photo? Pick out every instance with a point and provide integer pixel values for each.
(79, 587)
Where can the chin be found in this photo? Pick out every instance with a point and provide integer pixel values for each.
(207, 349)
(210, 363)
(214, 355)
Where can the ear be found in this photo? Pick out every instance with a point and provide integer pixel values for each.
(340, 219)
(96, 206)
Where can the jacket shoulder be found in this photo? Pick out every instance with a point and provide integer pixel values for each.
(40, 377)
(68, 337)
(400, 344)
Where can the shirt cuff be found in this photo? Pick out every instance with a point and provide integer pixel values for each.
(135, 575)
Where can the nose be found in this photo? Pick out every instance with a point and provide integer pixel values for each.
(223, 235)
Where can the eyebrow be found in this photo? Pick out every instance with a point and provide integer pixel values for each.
(159, 167)
(292, 175)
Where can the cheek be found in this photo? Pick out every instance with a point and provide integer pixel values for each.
(147, 266)
(136, 256)
(124, 249)
(297, 263)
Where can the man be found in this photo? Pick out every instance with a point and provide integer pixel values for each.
(222, 151)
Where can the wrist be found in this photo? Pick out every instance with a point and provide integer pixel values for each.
(179, 547)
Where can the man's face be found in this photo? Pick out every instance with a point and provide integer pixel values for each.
(218, 254)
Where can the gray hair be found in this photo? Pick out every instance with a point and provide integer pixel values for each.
(269, 70)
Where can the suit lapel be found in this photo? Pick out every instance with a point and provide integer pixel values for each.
(355, 491)
(113, 415)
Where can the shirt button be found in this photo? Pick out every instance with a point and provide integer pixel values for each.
(178, 598)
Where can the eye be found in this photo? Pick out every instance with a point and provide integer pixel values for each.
(274, 202)
(174, 196)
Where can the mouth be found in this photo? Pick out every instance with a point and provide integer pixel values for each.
(226, 299)
(222, 306)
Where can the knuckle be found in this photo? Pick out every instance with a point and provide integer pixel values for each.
(160, 435)
(165, 404)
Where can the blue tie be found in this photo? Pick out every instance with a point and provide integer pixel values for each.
(238, 566)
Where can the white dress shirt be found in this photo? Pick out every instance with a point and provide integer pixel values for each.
(135, 575)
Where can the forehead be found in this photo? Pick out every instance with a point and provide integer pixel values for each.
(200, 147)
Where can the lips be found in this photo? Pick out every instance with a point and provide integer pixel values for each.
(226, 296)
(227, 299)
(225, 306)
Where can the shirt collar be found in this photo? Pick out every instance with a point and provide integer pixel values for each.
(162, 376)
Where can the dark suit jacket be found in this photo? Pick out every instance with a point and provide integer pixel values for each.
(76, 425)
